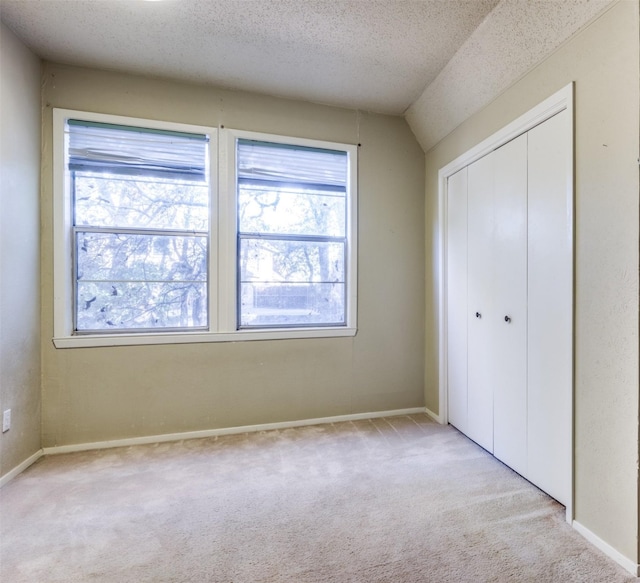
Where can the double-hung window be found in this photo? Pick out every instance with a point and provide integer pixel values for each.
(292, 240)
(165, 233)
(140, 228)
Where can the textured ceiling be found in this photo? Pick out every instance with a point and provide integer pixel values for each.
(377, 55)
(518, 35)
(437, 61)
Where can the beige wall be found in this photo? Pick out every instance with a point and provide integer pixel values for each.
(603, 62)
(19, 249)
(94, 394)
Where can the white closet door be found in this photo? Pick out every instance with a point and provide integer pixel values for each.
(480, 303)
(510, 300)
(457, 299)
(550, 307)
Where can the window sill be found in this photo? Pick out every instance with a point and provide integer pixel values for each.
(99, 340)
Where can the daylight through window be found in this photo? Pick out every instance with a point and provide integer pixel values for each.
(171, 233)
(141, 223)
(291, 235)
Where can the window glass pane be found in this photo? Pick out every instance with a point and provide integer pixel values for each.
(290, 304)
(140, 305)
(291, 283)
(291, 210)
(270, 261)
(115, 200)
(124, 257)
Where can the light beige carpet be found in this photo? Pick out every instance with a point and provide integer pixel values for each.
(395, 500)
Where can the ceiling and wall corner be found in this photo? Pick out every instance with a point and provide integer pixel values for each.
(374, 55)
(515, 37)
(438, 62)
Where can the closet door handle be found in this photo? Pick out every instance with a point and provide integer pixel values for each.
(507, 319)
(478, 315)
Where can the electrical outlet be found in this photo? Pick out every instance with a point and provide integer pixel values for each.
(6, 420)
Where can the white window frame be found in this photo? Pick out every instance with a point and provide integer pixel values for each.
(222, 309)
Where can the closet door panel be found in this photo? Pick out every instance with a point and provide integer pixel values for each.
(510, 300)
(457, 299)
(550, 292)
(480, 304)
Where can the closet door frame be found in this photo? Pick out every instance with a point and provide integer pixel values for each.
(560, 101)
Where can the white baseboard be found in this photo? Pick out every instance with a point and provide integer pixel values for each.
(225, 431)
(433, 416)
(21, 467)
(607, 549)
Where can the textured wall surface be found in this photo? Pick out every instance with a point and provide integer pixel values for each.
(603, 62)
(19, 249)
(94, 394)
(516, 36)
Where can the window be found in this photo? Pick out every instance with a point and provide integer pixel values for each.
(291, 235)
(165, 233)
(140, 228)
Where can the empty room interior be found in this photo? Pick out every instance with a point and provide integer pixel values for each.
(319, 290)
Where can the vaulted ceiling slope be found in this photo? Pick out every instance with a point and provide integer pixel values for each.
(516, 36)
(438, 61)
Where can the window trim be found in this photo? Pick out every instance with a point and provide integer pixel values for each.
(222, 242)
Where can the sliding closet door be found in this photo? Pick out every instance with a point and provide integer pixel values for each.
(510, 300)
(457, 299)
(481, 311)
(550, 306)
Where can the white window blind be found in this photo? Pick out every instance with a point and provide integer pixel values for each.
(124, 149)
(291, 164)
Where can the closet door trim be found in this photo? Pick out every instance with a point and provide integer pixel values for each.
(559, 101)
